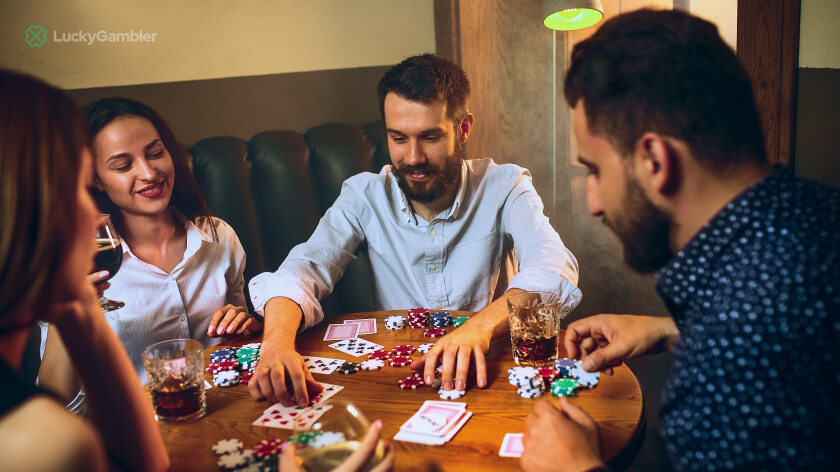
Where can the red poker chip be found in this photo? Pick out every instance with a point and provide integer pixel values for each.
(418, 311)
(434, 332)
(403, 350)
(399, 361)
(410, 383)
(380, 354)
(268, 447)
(245, 377)
(548, 373)
(221, 366)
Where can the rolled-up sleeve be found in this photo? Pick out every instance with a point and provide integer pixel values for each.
(312, 268)
(545, 263)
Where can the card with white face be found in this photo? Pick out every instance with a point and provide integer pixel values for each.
(366, 325)
(512, 445)
(341, 331)
(322, 365)
(356, 347)
(285, 417)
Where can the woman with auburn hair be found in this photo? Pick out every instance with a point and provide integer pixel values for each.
(47, 225)
(182, 269)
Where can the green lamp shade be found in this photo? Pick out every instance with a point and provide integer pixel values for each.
(568, 15)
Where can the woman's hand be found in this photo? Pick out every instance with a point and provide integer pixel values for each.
(355, 461)
(230, 321)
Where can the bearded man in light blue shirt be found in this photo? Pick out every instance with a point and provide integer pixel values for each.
(438, 230)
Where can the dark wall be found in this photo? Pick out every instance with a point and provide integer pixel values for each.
(244, 106)
(818, 125)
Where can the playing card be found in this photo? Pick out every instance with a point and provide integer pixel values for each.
(511, 445)
(433, 440)
(341, 331)
(433, 419)
(356, 347)
(285, 417)
(207, 384)
(322, 365)
(366, 325)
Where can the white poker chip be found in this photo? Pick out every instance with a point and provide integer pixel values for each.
(425, 348)
(226, 375)
(252, 345)
(373, 364)
(522, 371)
(530, 393)
(232, 460)
(326, 439)
(526, 382)
(226, 446)
(584, 378)
(451, 394)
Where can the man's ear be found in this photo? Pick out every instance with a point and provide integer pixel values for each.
(465, 127)
(657, 165)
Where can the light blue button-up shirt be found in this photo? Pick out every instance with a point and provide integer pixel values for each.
(452, 262)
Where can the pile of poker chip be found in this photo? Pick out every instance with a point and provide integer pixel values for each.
(441, 319)
(231, 366)
(527, 380)
(395, 322)
(563, 379)
(418, 317)
(233, 457)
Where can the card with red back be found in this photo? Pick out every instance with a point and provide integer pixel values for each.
(433, 419)
(340, 332)
(366, 326)
(511, 445)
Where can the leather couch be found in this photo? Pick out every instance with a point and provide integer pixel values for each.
(274, 188)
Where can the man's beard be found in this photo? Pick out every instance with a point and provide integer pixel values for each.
(643, 230)
(442, 178)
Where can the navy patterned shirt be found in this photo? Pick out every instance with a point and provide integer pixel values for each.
(756, 297)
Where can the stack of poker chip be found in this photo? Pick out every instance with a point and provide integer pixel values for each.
(441, 319)
(248, 358)
(564, 387)
(268, 450)
(585, 379)
(325, 438)
(349, 368)
(304, 440)
(459, 321)
(548, 374)
(395, 322)
(564, 366)
(528, 382)
(434, 332)
(231, 366)
(231, 455)
(418, 317)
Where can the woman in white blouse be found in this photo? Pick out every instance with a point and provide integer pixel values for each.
(182, 270)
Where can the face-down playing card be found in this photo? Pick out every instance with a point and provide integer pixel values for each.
(341, 331)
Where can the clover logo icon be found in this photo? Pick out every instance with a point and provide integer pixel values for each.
(36, 36)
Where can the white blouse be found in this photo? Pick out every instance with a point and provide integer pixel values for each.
(179, 304)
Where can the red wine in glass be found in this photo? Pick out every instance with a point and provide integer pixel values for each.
(108, 257)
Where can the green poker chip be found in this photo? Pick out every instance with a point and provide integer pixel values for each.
(564, 387)
(459, 321)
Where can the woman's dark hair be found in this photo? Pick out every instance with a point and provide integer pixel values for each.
(186, 196)
(668, 72)
(42, 136)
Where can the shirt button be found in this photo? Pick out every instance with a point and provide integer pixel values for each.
(434, 233)
(433, 267)
(439, 305)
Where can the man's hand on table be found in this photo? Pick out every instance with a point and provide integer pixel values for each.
(281, 375)
(564, 439)
(470, 340)
(605, 341)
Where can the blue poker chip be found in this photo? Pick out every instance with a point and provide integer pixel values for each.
(222, 354)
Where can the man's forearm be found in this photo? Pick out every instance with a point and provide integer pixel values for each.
(282, 320)
(493, 318)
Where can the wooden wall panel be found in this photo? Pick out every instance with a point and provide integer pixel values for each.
(768, 46)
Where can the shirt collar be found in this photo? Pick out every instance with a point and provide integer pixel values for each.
(195, 237)
(409, 214)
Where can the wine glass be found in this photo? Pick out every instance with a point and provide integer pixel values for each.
(327, 442)
(108, 257)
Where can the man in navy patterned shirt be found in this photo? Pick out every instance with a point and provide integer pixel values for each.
(748, 257)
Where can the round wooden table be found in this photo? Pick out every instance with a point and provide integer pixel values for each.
(616, 404)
